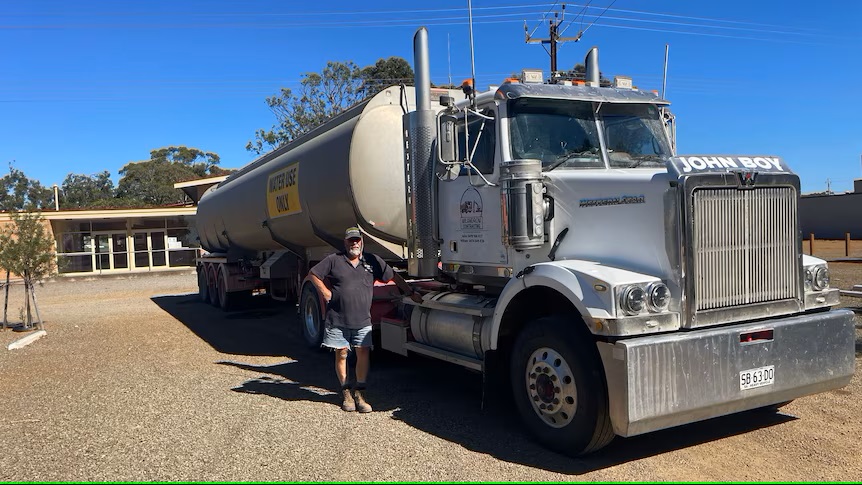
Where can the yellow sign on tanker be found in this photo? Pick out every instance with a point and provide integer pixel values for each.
(282, 192)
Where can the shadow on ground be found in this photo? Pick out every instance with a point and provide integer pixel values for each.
(436, 397)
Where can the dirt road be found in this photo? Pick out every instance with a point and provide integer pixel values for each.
(136, 380)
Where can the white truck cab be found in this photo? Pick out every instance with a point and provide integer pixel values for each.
(627, 289)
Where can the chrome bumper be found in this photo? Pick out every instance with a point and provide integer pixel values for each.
(661, 381)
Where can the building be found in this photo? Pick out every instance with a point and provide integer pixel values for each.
(113, 241)
(830, 216)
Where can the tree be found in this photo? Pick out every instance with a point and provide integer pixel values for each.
(320, 96)
(201, 163)
(385, 73)
(323, 95)
(151, 182)
(80, 191)
(27, 251)
(17, 192)
(579, 73)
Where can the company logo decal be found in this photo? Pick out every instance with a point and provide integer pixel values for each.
(471, 210)
(747, 179)
(616, 200)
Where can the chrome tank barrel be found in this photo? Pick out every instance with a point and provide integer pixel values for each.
(349, 170)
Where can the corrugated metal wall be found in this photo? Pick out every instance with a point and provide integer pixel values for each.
(830, 216)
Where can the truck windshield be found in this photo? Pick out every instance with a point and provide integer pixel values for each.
(559, 133)
(565, 134)
(634, 135)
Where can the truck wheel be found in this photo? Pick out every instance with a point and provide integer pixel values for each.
(559, 387)
(310, 317)
(202, 285)
(225, 299)
(212, 288)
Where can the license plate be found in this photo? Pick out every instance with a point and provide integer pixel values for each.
(759, 377)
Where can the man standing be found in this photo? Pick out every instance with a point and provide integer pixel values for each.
(348, 316)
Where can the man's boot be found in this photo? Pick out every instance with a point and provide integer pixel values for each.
(348, 404)
(361, 405)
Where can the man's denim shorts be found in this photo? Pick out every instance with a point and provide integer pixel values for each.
(342, 338)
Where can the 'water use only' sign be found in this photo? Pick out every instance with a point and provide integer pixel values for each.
(282, 192)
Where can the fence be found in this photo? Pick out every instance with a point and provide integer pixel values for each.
(833, 248)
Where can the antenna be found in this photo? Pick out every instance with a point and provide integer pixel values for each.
(472, 57)
(664, 78)
(449, 57)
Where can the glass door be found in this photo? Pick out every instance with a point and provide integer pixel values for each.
(142, 249)
(157, 239)
(103, 251)
(119, 250)
(111, 251)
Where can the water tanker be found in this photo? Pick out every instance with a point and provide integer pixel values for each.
(348, 171)
(562, 248)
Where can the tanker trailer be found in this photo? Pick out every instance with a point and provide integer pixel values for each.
(268, 223)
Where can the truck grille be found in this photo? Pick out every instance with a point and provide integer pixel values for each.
(745, 248)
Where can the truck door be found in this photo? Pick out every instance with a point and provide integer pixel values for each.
(469, 206)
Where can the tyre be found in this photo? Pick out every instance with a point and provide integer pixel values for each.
(311, 317)
(212, 285)
(203, 288)
(559, 387)
(225, 299)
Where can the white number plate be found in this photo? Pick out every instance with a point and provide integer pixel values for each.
(762, 376)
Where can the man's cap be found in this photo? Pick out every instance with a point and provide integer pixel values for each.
(352, 232)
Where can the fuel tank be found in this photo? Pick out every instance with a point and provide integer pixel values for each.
(348, 171)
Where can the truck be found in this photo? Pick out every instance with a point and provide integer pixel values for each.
(561, 246)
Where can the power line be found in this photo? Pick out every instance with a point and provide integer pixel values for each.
(543, 19)
(434, 20)
(594, 20)
(552, 40)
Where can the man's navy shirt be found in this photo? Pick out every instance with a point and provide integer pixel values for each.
(352, 288)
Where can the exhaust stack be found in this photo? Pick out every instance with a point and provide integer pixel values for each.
(591, 65)
(422, 75)
(420, 130)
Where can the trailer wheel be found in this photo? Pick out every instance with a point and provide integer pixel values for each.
(311, 317)
(559, 387)
(212, 285)
(203, 287)
(225, 299)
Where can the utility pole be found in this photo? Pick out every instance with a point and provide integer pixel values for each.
(553, 38)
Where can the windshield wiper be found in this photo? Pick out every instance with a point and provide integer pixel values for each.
(645, 158)
(565, 157)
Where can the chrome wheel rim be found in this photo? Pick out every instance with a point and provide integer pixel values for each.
(551, 387)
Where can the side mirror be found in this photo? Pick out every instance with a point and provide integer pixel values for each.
(447, 143)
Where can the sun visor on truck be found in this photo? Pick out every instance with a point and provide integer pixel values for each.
(746, 166)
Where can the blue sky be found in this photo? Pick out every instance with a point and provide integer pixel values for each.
(87, 86)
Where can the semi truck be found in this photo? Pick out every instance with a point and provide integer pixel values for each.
(562, 248)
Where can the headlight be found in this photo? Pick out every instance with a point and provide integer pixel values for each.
(633, 300)
(821, 278)
(658, 296)
(809, 279)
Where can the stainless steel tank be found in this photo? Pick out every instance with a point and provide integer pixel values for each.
(348, 171)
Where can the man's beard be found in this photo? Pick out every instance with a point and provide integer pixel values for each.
(355, 251)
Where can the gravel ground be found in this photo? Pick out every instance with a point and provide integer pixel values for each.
(138, 381)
